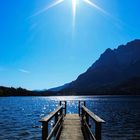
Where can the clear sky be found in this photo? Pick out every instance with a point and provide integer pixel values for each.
(47, 43)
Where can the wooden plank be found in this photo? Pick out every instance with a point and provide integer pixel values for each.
(71, 128)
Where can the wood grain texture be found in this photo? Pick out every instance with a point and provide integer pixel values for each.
(71, 128)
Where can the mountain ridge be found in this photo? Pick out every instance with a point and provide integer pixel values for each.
(113, 67)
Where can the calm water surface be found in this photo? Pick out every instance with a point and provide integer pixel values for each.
(19, 115)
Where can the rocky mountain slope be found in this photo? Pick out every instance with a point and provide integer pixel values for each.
(113, 68)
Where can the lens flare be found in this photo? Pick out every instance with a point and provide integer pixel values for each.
(96, 6)
(74, 6)
(48, 7)
(74, 9)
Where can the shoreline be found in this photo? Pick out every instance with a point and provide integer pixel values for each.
(74, 96)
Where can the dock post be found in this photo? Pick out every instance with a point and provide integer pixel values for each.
(65, 107)
(61, 112)
(82, 117)
(98, 131)
(44, 130)
(56, 118)
(87, 118)
(84, 103)
(64, 104)
(79, 108)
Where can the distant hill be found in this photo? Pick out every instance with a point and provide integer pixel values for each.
(10, 91)
(111, 72)
(56, 89)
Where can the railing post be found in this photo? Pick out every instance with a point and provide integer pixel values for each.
(98, 131)
(64, 104)
(82, 117)
(61, 111)
(79, 106)
(56, 118)
(44, 130)
(65, 107)
(60, 103)
(84, 103)
(87, 118)
(79, 109)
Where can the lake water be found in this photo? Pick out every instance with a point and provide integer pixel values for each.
(19, 116)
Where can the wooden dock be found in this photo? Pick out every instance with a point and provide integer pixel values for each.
(71, 126)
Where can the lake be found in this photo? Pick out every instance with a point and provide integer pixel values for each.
(19, 116)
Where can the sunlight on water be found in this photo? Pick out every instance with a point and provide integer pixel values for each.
(19, 116)
(62, 98)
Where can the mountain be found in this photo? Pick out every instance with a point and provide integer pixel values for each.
(110, 71)
(11, 91)
(116, 72)
(56, 89)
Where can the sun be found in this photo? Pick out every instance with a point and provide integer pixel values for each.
(74, 8)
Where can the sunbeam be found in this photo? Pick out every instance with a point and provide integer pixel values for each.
(96, 6)
(74, 9)
(48, 7)
(74, 5)
(114, 20)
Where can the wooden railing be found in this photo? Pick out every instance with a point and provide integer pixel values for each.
(57, 115)
(86, 115)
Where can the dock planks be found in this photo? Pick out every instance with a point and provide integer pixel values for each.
(71, 128)
(68, 126)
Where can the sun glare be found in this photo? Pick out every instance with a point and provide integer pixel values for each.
(55, 3)
(74, 8)
(74, 5)
(95, 6)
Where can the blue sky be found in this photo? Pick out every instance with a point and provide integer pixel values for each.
(45, 50)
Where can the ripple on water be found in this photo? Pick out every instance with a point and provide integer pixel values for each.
(19, 116)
